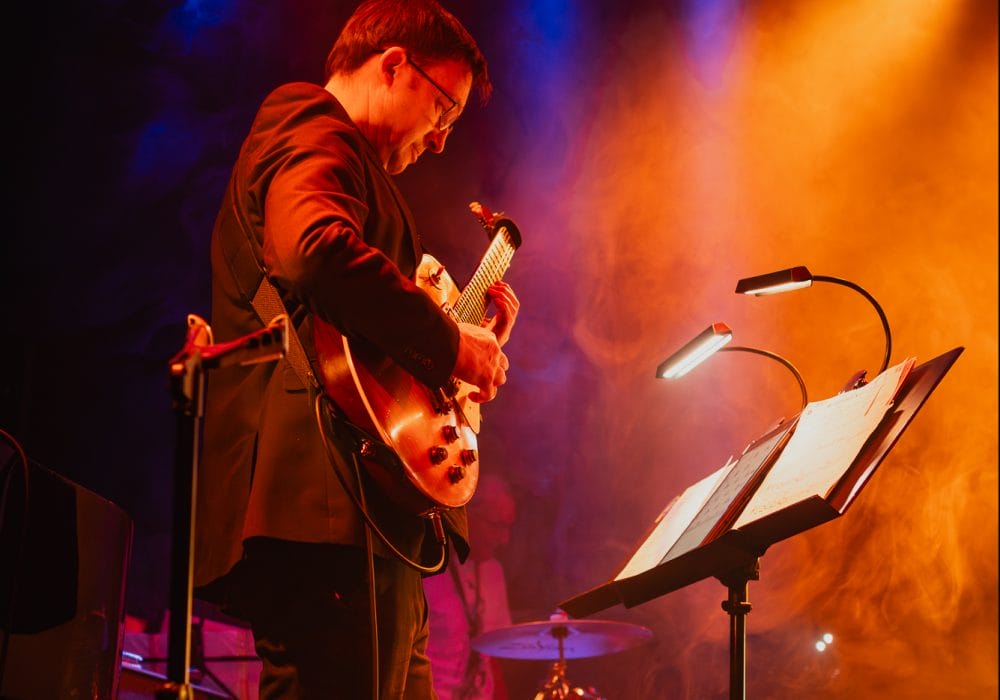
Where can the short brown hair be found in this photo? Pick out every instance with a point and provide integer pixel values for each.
(422, 27)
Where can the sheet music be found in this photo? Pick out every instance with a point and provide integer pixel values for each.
(828, 437)
(672, 522)
(746, 467)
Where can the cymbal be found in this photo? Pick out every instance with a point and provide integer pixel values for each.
(580, 639)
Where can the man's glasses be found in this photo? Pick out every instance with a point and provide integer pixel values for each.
(449, 116)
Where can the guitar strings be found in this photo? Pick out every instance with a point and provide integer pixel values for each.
(471, 304)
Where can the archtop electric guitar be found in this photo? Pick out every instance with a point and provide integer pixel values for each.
(433, 432)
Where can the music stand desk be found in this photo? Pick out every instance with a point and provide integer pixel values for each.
(733, 556)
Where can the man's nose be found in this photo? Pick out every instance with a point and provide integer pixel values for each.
(435, 140)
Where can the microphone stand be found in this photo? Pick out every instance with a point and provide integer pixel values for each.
(187, 384)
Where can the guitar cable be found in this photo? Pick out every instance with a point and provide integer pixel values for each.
(359, 501)
(370, 577)
(362, 505)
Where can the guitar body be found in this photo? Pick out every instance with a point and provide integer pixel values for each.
(430, 431)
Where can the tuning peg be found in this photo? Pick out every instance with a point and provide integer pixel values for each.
(483, 214)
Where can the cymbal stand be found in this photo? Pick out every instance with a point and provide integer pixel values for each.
(556, 686)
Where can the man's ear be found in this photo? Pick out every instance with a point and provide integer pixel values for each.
(389, 63)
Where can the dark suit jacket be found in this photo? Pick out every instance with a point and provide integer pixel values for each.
(308, 197)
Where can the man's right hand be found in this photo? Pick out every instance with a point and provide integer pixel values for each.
(480, 361)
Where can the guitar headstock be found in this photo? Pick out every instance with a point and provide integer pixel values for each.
(486, 218)
(494, 221)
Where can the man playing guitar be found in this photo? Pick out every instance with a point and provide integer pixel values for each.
(311, 212)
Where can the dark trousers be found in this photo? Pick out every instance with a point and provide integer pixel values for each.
(308, 606)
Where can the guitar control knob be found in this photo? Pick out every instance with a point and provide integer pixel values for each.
(450, 433)
(469, 456)
(438, 455)
(435, 277)
(456, 473)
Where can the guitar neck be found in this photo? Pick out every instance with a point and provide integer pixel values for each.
(471, 304)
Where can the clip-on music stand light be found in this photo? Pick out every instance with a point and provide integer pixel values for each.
(799, 278)
(187, 384)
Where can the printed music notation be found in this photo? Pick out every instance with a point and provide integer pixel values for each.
(798, 459)
(726, 502)
(829, 436)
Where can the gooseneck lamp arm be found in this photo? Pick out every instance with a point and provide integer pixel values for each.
(878, 309)
(779, 358)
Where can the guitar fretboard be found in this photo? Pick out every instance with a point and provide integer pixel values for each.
(471, 304)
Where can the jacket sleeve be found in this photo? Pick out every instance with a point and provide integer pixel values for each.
(330, 225)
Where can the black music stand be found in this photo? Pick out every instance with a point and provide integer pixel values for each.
(732, 554)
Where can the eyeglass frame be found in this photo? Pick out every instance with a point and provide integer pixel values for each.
(441, 125)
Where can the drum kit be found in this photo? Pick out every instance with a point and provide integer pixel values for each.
(558, 639)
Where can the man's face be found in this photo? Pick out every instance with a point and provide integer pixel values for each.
(432, 96)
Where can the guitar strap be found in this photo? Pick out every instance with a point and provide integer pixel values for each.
(268, 304)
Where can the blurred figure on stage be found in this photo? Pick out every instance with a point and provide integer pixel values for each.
(471, 598)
